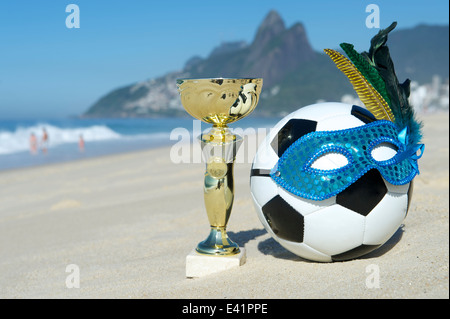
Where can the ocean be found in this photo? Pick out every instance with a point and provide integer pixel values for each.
(101, 137)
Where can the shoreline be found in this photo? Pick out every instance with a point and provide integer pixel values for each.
(123, 137)
(129, 220)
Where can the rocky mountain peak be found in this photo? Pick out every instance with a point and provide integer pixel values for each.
(278, 50)
(272, 26)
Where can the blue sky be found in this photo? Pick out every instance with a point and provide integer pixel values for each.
(48, 70)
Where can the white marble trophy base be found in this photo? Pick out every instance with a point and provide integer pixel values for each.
(201, 265)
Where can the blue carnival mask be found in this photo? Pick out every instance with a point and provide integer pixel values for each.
(294, 171)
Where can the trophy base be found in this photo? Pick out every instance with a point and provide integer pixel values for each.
(218, 244)
(199, 265)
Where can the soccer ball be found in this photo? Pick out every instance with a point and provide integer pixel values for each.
(348, 225)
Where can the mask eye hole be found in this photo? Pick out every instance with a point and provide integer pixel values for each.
(384, 151)
(329, 161)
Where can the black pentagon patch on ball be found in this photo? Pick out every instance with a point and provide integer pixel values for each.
(259, 172)
(362, 114)
(409, 194)
(284, 220)
(290, 132)
(364, 194)
(355, 252)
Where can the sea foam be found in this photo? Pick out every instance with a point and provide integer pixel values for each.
(19, 140)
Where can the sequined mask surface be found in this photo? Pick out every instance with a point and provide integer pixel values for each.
(295, 172)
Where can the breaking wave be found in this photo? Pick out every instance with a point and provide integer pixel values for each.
(19, 139)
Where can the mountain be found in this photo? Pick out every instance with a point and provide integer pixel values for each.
(420, 52)
(274, 52)
(294, 74)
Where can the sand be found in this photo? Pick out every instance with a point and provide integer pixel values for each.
(128, 221)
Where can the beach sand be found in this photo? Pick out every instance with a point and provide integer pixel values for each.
(128, 221)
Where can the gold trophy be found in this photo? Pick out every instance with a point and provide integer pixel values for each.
(219, 101)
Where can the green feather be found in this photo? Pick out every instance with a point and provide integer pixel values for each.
(367, 70)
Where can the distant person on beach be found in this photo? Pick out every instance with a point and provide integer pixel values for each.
(33, 144)
(44, 142)
(81, 143)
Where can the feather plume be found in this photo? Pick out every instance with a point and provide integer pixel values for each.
(379, 57)
(371, 98)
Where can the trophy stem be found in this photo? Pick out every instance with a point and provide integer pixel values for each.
(219, 148)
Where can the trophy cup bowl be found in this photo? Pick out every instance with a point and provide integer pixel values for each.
(219, 101)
